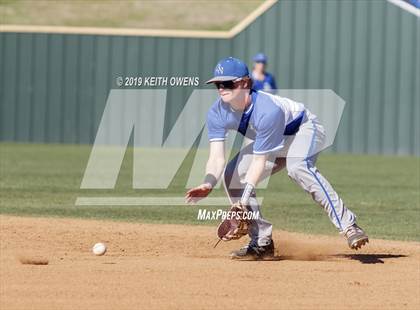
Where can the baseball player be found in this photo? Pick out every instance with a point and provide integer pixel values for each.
(261, 79)
(280, 133)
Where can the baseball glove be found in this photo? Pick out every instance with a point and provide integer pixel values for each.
(234, 226)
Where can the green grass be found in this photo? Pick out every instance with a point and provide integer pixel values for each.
(162, 14)
(44, 180)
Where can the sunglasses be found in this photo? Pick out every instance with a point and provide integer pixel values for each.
(227, 84)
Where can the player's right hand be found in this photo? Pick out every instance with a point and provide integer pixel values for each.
(197, 193)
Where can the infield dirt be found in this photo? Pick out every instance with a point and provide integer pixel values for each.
(151, 266)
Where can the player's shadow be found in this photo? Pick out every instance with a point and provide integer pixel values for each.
(370, 258)
(363, 258)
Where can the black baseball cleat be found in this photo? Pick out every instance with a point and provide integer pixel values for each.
(254, 252)
(356, 237)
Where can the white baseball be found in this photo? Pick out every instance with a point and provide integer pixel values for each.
(99, 249)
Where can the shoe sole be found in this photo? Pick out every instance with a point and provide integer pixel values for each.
(254, 258)
(358, 243)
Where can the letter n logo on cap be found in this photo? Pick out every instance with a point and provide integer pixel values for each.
(219, 69)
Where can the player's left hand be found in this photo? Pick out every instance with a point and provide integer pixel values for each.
(234, 228)
(197, 193)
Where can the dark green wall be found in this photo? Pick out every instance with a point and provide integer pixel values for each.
(54, 86)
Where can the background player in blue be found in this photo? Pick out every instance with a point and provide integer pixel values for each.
(261, 79)
(280, 133)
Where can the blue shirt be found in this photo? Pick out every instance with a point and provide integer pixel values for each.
(266, 121)
(267, 85)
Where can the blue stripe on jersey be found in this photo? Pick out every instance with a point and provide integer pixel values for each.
(294, 125)
(243, 125)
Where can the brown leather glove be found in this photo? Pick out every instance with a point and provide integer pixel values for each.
(236, 226)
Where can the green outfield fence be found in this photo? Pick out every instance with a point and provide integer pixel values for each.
(54, 85)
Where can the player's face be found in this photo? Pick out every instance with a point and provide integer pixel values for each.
(259, 66)
(230, 90)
